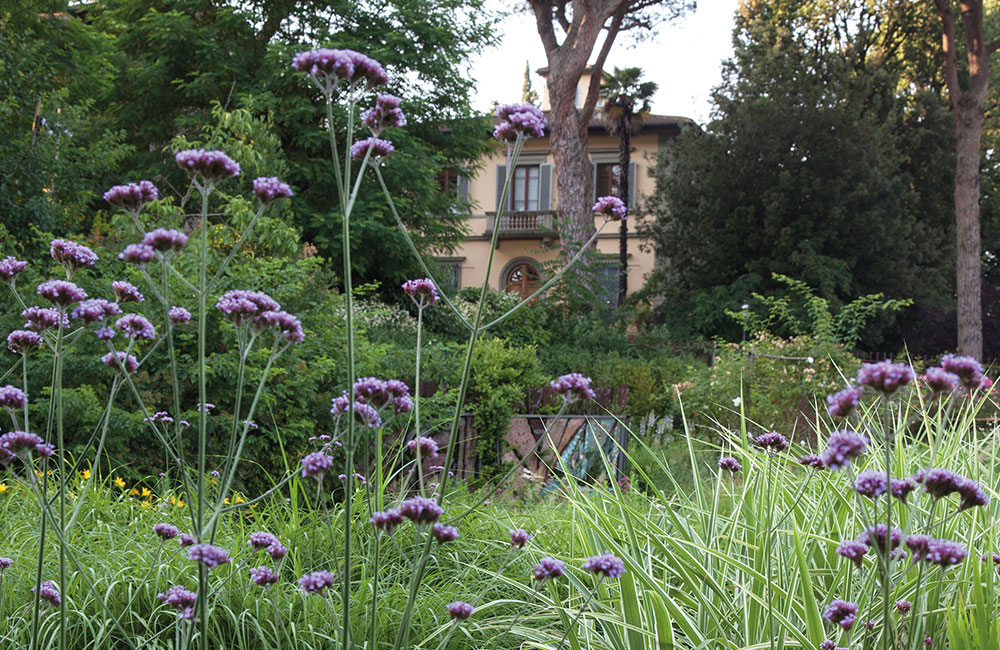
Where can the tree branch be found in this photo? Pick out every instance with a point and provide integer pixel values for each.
(543, 20)
(948, 50)
(597, 73)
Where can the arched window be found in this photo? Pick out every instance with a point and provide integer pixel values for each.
(521, 278)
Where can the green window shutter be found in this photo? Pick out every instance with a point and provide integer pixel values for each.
(632, 169)
(545, 187)
(501, 177)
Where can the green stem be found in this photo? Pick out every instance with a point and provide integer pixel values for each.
(202, 414)
(61, 444)
(416, 400)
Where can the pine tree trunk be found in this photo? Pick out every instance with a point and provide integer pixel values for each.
(968, 267)
(624, 163)
(571, 156)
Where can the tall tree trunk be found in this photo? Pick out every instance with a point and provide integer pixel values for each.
(969, 120)
(624, 163)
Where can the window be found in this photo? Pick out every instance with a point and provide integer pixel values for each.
(607, 282)
(525, 190)
(522, 279)
(451, 273)
(607, 179)
(447, 180)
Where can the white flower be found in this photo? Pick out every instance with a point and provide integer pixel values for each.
(737, 401)
(809, 359)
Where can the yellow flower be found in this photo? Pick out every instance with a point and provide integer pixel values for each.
(239, 499)
(3, 488)
(133, 492)
(144, 504)
(180, 504)
(145, 492)
(172, 500)
(120, 482)
(225, 501)
(86, 474)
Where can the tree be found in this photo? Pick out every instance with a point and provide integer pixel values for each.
(968, 102)
(582, 23)
(626, 104)
(176, 58)
(813, 167)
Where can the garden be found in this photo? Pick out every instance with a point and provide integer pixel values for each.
(214, 437)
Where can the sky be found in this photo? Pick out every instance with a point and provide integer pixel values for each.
(688, 55)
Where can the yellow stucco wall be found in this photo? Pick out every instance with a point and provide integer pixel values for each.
(482, 195)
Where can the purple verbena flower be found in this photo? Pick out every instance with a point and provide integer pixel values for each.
(842, 404)
(519, 537)
(871, 483)
(812, 461)
(605, 565)
(918, 545)
(421, 510)
(71, 254)
(39, 319)
(105, 333)
(269, 188)
(387, 520)
(12, 398)
(131, 196)
(379, 148)
(61, 292)
(428, 448)
(179, 315)
(841, 447)
(263, 576)
(139, 254)
(772, 442)
(842, 613)
(828, 645)
(116, 359)
(940, 482)
(549, 567)
(261, 539)
(519, 121)
(316, 464)
(402, 404)
(5, 563)
(903, 607)
(940, 381)
(316, 582)
(885, 376)
(241, 305)
(94, 310)
(422, 291)
(277, 551)
(876, 537)
(384, 115)
(210, 165)
(611, 207)
(901, 488)
(10, 268)
(443, 533)
(968, 369)
(329, 67)
(165, 240)
(572, 387)
(166, 531)
(21, 341)
(853, 550)
(134, 326)
(287, 325)
(126, 291)
(47, 591)
(460, 610)
(210, 556)
(22, 443)
(181, 599)
(730, 464)
(972, 495)
(185, 540)
(945, 553)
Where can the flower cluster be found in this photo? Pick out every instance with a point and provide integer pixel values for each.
(730, 464)
(443, 533)
(881, 538)
(181, 599)
(968, 370)
(772, 442)
(21, 444)
(377, 147)
(210, 556)
(39, 319)
(422, 291)
(166, 531)
(841, 447)
(421, 510)
(263, 576)
(871, 483)
(940, 380)
(842, 613)
(269, 188)
(428, 448)
(885, 376)
(12, 398)
(328, 67)
(843, 403)
(316, 582)
(71, 254)
(573, 387)
(61, 292)
(385, 114)
(179, 315)
(48, 592)
(549, 567)
(10, 268)
(165, 240)
(518, 538)
(939, 483)
(606, 566)
(812, 461)
(126, 291)
(611, 207)
(853, 550)
(459, 610)
(316, 464)
(387, 521)
(519, 121)
(135, 326)
(138, 254)
(21, 341)
(212, 166)
(131, 196)
(120, 359)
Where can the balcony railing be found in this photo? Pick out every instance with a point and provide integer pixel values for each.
(529, 224)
